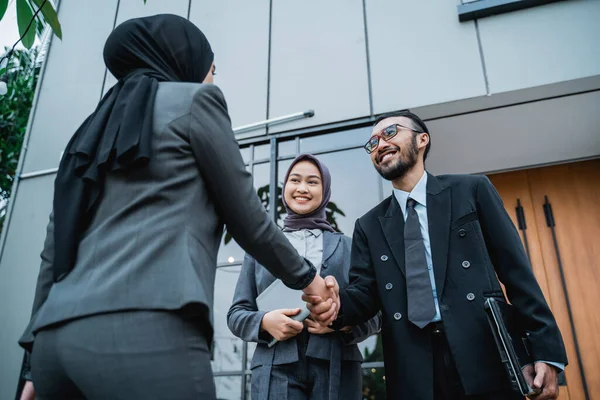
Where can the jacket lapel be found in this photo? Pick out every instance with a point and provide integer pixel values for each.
(393, 228)
(330, 243)
(439, 207)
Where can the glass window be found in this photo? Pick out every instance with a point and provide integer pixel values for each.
(287, 148)
(245, 154)
(249, 386)
(354, 187)
(386, 187)
(374, 384)
(351, 138)
(230, 252)
(251, 350)
(263, 151)
(227, 349)
(282, 167)
(229, 387)
(372, 349)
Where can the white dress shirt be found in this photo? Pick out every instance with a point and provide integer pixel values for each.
(308, 243)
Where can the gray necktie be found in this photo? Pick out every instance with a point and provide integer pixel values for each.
(421, 308)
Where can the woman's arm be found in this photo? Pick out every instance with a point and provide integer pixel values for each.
(362, 331)
(246, 322)
(243, 317)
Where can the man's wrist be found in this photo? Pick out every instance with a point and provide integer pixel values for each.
(338, 324)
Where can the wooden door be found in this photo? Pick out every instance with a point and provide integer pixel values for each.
(571, 287)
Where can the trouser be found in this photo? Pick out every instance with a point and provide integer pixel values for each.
(123, 355)
(308, 378)
(447, 385)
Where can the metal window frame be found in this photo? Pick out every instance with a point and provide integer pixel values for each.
(486, 8)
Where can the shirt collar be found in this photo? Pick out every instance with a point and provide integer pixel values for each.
(419, 194)
(315, 232)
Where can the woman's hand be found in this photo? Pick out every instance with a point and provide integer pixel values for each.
(28, 391)
(316, 328)
(279, 324)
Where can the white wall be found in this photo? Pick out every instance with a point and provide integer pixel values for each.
(542, 45)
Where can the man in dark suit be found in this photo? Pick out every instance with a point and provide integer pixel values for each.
(428, 256)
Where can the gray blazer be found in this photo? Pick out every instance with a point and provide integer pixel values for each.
(153, 242)
(244, 319)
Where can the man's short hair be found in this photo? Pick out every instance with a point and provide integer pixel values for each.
(419, 125)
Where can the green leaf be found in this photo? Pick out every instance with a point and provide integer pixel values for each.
(24, 17)
(144, 1)
(50, 16)
(4, 6)
(2, 71)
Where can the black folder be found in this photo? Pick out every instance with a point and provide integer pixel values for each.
(511, 340)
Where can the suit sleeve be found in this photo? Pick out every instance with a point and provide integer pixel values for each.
(43, 286)
(514, 271)
(362, 331)
(230, 186)
(360, 299)
(243, 317)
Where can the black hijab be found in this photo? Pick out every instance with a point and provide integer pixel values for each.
(117, 136)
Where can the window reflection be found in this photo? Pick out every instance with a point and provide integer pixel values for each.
(245, 154)
(287, 148)
(387, 188)
(374, 384)
(355, 137)
(227, 349)
(230, 252)
(282, 167)
(371, 349)
(229, 387)
(354, 187)
(263, 151)
(251, 350)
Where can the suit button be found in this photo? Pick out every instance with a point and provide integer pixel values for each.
(388, 286)
(384, 258)
(466, 264)
(397, 316)
(470, 297)
(324, 265)
(462, 233)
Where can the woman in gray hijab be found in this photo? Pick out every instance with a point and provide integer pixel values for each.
(301, 359)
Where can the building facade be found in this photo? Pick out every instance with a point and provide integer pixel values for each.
(512, 93)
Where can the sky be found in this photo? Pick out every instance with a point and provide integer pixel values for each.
(9, 32)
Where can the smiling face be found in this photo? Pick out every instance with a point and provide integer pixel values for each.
(398, 155)
(303, 191)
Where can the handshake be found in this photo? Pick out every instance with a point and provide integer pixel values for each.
(322, 299)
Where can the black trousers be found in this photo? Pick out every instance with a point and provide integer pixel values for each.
(447, 385)
(123, 355)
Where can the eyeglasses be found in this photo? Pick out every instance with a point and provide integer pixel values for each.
(386, 135)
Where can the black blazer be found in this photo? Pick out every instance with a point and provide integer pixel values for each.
(473, 243)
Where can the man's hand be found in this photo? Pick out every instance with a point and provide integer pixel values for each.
(28, 392)
(322, 309)
(279, 324)
(542, 378)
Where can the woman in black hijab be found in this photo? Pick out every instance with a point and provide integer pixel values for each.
(123, 303)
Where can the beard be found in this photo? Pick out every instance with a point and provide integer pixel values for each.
(398, 168)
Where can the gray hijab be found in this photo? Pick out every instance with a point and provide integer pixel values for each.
(318, 218)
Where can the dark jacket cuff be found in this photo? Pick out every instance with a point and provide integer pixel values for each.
(307, 279)
(26, 374)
